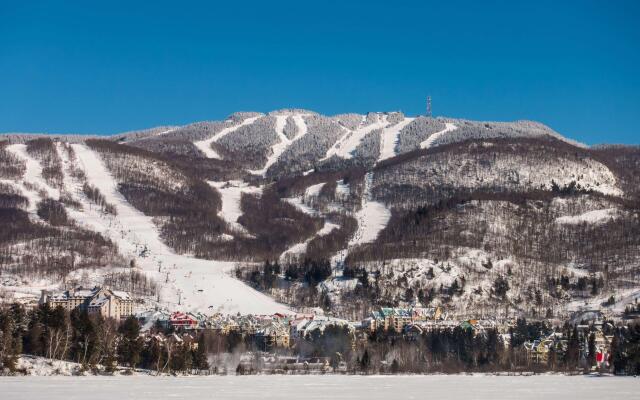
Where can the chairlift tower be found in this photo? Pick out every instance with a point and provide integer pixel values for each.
(428, 106)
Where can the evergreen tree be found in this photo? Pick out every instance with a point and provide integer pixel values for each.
(201, 361)
(591, 356)
(365, 361)
(130, 346)
(572, 354)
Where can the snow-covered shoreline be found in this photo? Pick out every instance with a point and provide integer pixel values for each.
(36, 366)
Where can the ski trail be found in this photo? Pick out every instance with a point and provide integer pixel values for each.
(389, 139)
(301, 247)
(32, 177)
(278, 148)
(301, 125)
(372, 218)
(188, 283)
(205, 145)
(314, 190)
(283, 145)
(429, 142)
(231, 196)
(348, 143)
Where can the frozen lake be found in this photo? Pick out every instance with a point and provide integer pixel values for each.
(320, 387)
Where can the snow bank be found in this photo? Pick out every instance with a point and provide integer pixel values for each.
(40, 366)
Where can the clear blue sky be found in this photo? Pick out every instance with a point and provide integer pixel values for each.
(103, 68)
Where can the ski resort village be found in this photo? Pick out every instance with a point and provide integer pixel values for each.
(297, 243)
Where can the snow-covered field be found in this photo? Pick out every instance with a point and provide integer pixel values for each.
(463, 387)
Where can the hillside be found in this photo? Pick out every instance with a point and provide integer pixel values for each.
(270, 212)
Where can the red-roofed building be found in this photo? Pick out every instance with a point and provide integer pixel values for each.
(183, 320)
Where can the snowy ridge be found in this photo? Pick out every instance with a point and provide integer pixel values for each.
(431, 139)
(205, 145)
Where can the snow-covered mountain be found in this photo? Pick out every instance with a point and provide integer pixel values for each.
(352, 209)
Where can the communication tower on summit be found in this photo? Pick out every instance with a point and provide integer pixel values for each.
(429, 106)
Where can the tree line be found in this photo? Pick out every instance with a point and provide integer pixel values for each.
(94, 342)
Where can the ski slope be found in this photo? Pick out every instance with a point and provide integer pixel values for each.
(431, 139)
(314, 190)
(301, 126)
(188, 283)
(278, 148)
(33, 177)
(389, 139)
(231, 196)
(205, 145)
(301, 247)
(348, 143)
(285, 142)
(33, 173)
(372, 217)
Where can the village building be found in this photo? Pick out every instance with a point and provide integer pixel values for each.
(272, 335)
(180, 320)
(387, 318)
(106, 302)
(538, 350)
